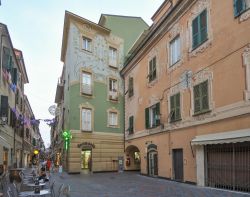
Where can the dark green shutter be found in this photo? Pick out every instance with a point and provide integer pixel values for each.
(177, 107)
(204, 93)
(14, 75)
(4, 106)
(172, 107)
(158, 113)
(203, 26)
(239, 7)
(154, 68)
(195, 31)
(131, 87)
(197, 106)
(6, 57)
(131, 124)
(150, 70)
(147, 118)
(34, 142)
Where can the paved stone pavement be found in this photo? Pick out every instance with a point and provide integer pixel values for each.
(132, 184)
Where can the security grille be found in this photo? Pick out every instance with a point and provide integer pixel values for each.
(228, 166)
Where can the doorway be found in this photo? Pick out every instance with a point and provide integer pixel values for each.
(86, 159)
(153, 163)
(5, 159)
(178, 164)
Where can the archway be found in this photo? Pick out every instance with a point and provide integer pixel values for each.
(133, 158)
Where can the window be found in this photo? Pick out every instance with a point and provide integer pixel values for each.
(201, 104)
(175, 113)
(86, 119)
(86, 83)
(112, 57)
(4, 107)
(152, 69)
(131, 125)
(131, 87)
(175, 50)
(152, 116)
(113, 89)
(7, 59)
(86, 44)
(113, 119)
(199, 29)
(241, 6)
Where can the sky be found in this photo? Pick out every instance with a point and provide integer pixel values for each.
(36, 28)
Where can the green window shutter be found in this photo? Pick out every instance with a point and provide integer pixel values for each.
(14, 75)
(204, 93)
(172, 107)
(197, 105)
(150, 70)
(131, 124)
(195, 32)
(203, 26)
(131, 87)
(6, 57)
(177, 107)
(154, 68)
(239, 7)
(147, 118)
(4, 106)
(34, 142)
(158, 113)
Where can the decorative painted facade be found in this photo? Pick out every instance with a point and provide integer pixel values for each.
(198, 98)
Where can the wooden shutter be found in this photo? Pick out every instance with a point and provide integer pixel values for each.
(177, 107)
(172, 107)
(195, 31)
(147, 118)
(6, 57)
(154, 68)
(14, 75)
(197, 105)
(150, 70)
(4, 106)
(158, 113)
(131, 87)
(131, 124)
(204, 94)
(239, 7)
(203, 26)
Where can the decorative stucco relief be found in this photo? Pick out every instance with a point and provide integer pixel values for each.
(246, 63)
(244, 16)
(195, 11)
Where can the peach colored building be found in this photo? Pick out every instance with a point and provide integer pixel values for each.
(187, 95)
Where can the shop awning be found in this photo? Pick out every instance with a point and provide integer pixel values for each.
(4, 142)
(224, 137)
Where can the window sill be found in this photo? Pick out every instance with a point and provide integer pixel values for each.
(174, 121)
(113, 67)
(201, 112)
(200, 44)
(242, 12)
(86, 131)
(86, 94)
(175, 63)
(85, 50)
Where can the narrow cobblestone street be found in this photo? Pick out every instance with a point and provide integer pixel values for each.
(132, 184)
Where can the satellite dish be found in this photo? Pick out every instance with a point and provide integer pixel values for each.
(52, 110)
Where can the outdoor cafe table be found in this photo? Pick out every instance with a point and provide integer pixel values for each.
(32, 193)
(33, 184)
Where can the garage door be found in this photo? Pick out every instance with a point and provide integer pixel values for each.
(227, 166)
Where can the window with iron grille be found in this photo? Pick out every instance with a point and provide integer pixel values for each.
(199, 29)
(152, 69)
(175, 113)
(131, 87)
(241, 6)
(152, 116)
(131, 125)
(86, 83)
(201, 98)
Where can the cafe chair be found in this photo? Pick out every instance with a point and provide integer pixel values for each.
(66, 191)
(60, 190)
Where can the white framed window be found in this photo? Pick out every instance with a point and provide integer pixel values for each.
(86, 119)
(112, 57)
(175, 50)
(113, 118)
(86, 44)
(113, 89)
(86, 83)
